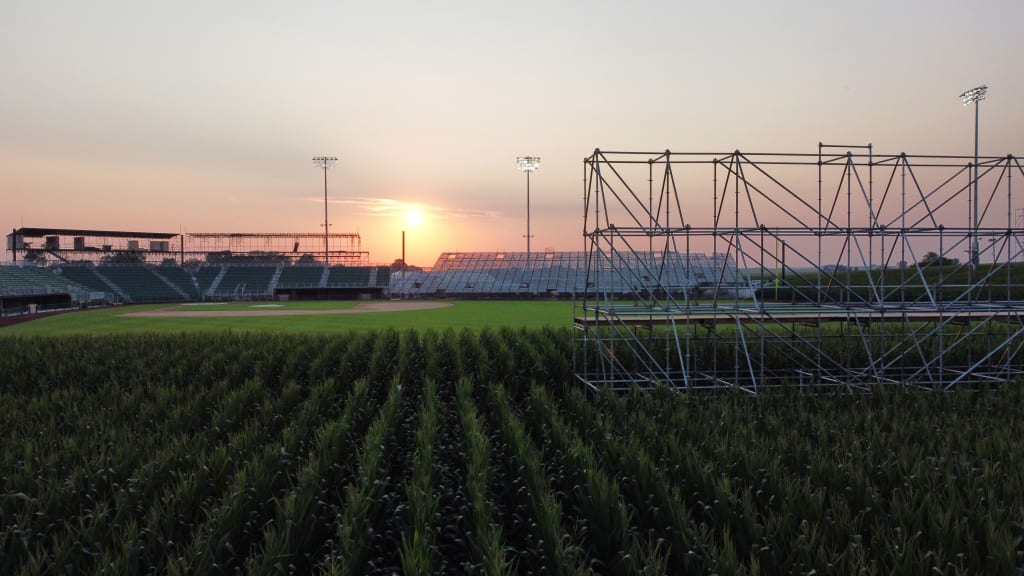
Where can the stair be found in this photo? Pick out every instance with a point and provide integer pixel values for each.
(323, 278)
(216, 282)
(273, 279)
(373, 277)
(171, 284)
(113, 287)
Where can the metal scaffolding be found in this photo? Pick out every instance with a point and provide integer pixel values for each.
(842, 268)
(291, 247)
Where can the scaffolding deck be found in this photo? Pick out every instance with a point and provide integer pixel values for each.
(634, 316)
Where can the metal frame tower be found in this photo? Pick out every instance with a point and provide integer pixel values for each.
(841, 268)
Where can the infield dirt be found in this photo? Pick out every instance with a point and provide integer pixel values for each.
(362, 308)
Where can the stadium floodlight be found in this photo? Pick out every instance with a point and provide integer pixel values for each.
(325, 162)
(528, 164)
(974, 96)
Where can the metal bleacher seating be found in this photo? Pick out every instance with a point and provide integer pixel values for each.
(205, 276)
(30, 280)
(300, 276)
(140, 284)
(85, 276)
(512, 274)
(246, 281)
(349, 276)
(181, 280)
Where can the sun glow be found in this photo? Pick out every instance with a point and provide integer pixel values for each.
(413, 217)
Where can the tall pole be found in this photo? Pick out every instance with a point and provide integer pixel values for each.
(977, 252)
(975, 96)
(528, 235)
(528, 164)
(325, 162)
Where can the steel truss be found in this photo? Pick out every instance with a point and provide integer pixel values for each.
(841, 268)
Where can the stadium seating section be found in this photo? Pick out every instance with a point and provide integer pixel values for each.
(561, 273)
(29, 280)
(140, 284)
(245, 282)
(346, 276)
(469, 274)
(301, 277)
(181, 280)
(85, 276)
(205, 277)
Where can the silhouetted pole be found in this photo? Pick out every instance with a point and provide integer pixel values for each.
(974, 96)
(325, 162)
(528, 164)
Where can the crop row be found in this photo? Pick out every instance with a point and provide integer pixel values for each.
(472, 452)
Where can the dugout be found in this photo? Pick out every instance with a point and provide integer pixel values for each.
(348, 293)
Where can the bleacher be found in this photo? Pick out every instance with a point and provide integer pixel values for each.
(30, 280)
(85, 276)
(514, 274)
(140, 284)
(246, 282)
(181, 279)
(205, 276)
(383, 277)
(349, 276)
(300, 277)
(460, 274)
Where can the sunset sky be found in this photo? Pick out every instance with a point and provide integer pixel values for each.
(203, 116)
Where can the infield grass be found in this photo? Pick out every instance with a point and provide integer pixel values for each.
(461, 314)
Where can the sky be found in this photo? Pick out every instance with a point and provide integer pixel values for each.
(204, 116)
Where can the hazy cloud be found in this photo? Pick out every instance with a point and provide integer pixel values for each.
(392, 207)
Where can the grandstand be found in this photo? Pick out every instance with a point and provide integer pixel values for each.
(73, 245)
(141, 284)
(86, 276)
(27, 280)
(137, 267)
(206, 277)
(245, 283)
(300, 276)
(563, 274)
(184, 283)
(26, 289)
(120, 266)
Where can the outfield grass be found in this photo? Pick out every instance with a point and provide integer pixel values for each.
(461, 314)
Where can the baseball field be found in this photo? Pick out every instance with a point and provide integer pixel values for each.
(321, 317)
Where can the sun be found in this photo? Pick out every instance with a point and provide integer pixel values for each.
(413, 217)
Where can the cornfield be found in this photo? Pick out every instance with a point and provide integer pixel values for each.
(473, 452)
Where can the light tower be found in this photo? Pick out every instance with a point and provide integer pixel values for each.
(325, 162)
(528, 164)
(974, 96)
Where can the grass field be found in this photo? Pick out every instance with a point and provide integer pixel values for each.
(461, 314)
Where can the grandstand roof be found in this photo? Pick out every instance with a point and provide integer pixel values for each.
(41, 232)
(270, 234)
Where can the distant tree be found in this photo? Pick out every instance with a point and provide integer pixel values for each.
(307, 259)
(36, 256)
(934, 259)
(218, 257)
(125, 257)
(398, 265)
